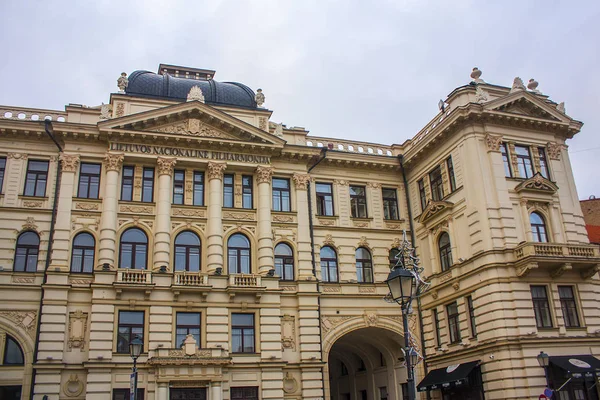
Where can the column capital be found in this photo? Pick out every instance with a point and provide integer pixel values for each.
(113, 161)
(301, 181)
(215, 170)
(69, 162)
(166, 165)
(264, 174)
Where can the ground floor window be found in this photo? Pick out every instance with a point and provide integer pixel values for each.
(188, 394)
(10, 392)
(123, 394)
(244, 393)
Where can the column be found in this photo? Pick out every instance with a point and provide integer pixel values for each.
(162, 231)
(110, 204)
(162, 391)
(216, 392)
(304, 250)
(526, 224)
(214, 226)
(265, 236)
(62, 228)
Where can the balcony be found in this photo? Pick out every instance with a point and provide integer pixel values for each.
(245, 283)
(134, 279)
(195, 282)
(557, 258)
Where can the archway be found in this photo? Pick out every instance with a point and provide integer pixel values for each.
(366, 363)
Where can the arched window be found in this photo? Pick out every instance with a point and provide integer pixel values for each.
(13, 354)
(329, 272)
(26, 254)
(445, 251)
(133, 250)
(187, 252)
(538, 228)
(82, 255)
(364, 266)
(284, 262)
(238, 254)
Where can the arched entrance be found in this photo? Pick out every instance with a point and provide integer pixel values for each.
(366, 363)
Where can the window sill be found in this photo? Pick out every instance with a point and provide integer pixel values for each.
(23, 197)
(92, 199)
(246, 354)
(366, 219)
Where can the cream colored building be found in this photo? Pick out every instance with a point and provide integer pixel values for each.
(250, 257)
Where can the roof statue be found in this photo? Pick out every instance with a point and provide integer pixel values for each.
(122, 82)
(481, 96)
(532, 85)
(561, 107)
(195, 93)
(475, 74)
(517, 85)
(106, 111)
(279, 130)
(259, 98)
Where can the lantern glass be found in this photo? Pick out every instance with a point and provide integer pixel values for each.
(135, 347)
(543, 359)
(400, 282)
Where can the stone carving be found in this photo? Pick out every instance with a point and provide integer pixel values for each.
(288, 332)
(434, 208)
(113, 162)
(560, 270)
(360, 224)
(166, 165)
(374, 185)
(77, 330)
(371, 319)
(517, 85)
(106, 111)
(75, 281)
(87, 206)
(456, 286)
(395, 243)
(561, 107)
(481, 96)
(120, 109)
(122, 82)
(264, 174)
(215, 170)
(238, 216)
(73, 387)
(446, 277)
(493, 142)
(262, 123)
(30, 224)
(326, 222)
(523, 270)
(554, 150)
(393, 226)
(278, 130)
(475, 74)
(188, 213)
(32, 204)
(341, 182)
(328, 241)
(23, 279)
(328, 323)
(301, 181)
(290, 384)
(200, 353)
(366, 289)
(331, 289)
(283, 218)
(136, 209)
(532, 85)
(363, 242)
(69, 162)
(17, 156)
(537, 183)
(23, 319)
(590, 272)
(434, 294)
(259, 98)
(195, 94)
(190, 127)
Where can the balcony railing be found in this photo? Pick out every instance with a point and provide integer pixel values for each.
(556, 250)
(185, 278)
(134, 276)
(244, 280)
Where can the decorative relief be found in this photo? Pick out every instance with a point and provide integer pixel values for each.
(262, 123)
(200, 353)
(395, 243)
(360, 224)
(366, 289)
(136, 209)
(120, 109)
(554, 150)
(238, 216)
(288, 332)
(77, 281)
(326, 222)
(493, 142)
(456, 286)
(166, 165)
(374, 185)
(290, 384)
(481, 96)
(363, 242)
(190, 127)
(341, 182)
(32, 204)
(371, 319)
(434, 294)
(69, 162)
(106, 111)
(264, 174)
(393, 226)
(17, 156)
(328, 323)
(77, 329)
(215, 170)
(195, 94)
(301, 181)
(283, 218)
(30, 224)
(523, 270)
(23, 319)
(328, 241)
(183, 212)
(87, 206)
(113, 162)
(537, 183)
(446, 277)
(23, 279)
(73, 387)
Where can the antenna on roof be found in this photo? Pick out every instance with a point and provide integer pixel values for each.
(442, 105)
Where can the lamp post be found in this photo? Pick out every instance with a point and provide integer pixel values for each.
(135, 349)
(544, 360)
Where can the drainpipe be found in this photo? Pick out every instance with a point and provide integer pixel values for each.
(412, 239)
(50, 132)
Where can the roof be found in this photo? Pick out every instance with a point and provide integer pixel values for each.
(593, 233)
(451, 376)
(149, 84)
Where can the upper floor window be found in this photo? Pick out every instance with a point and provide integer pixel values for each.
(445, 249)
(187, 252)
(13, 353)
(284, 262)
(568, 306)
(127, 183)
(436, 325)
(422, 194)
(524, 163)
(2, 171)
(148, 185)
(89, 181)
(242, 333)
(390, 203)
(538, 228)
(437, 184)
(246, 191)
(324, 198)
(178, 186)
(26, 253)
(506, 160)
(358, 202)
(244, 393)
(329, 272)
(198, 188)
(364, 265)
(37, 175)
(238, 254)
(187, 323)
(281, 194)
(82, 255)
(133, 249)
(453, 322)
(228, 190)
(393, 257)
(451, 178)
(541, 308)
(471, 311)
(131, 325)
(543, 163)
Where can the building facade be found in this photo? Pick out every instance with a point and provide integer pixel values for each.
(250, 257)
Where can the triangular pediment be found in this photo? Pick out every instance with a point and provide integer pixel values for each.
(192, 119)
(537, 183)
(523, 103)
(434, 208)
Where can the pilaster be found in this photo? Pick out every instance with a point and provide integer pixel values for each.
(304, 251)
(265, 236)
(162, 233)
(62, 229)
(214, 226)
(110, 203)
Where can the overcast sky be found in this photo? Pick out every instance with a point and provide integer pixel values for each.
(362, 70)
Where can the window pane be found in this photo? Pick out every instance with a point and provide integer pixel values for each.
(13, 355)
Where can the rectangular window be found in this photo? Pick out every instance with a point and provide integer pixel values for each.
(471, 311)
(187, 323)
(228, 190)
(127, 184)
(131, 325)
(405, 395)
(281, 194)
(568, 306)
(244, 393)
(438, 333)
(124, 394)
(89, 181)
(541, 308)
(358, 201)
(148, 185)
(37, 175)
(246, 191)
(451, 177)
(437, 184)
(178, 186)
(524, 164)
(383, 393)
(363, 395)
(390, 204)
(2, 170)
(198, 188)
(242, 333)
(543, 163)
(324, 199)
(422, 194)
(506, 160)
(453, 326)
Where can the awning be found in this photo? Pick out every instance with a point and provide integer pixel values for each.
(578, 366)
(452, 376)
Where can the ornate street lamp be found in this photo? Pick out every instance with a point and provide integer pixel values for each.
(544, 360)
(135, 349)
(401, 282)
